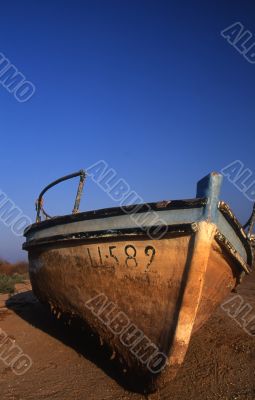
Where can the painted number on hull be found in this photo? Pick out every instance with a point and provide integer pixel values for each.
(129, 252)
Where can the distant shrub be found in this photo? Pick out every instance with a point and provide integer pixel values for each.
(7, 282)
(20, 267)
(16, 268)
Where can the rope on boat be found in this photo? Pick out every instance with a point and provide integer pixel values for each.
(39, 202)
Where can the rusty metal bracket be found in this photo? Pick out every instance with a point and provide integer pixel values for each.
(39, 202)
(250, 223)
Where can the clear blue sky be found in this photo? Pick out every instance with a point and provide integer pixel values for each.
(149, 86)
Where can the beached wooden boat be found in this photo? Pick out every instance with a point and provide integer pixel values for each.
(143, 287)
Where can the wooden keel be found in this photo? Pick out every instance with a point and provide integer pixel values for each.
(190, 293)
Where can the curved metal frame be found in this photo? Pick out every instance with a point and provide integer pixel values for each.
(39, 201)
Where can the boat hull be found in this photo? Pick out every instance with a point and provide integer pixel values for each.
(143, 278)
(143, 297)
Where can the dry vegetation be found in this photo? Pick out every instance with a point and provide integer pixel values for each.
(10, 274)
(11, 269)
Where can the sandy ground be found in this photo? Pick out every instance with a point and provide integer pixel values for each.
(69, 364)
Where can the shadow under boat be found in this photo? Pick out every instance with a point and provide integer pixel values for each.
(78, 336)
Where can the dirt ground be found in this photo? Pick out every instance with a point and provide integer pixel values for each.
(69, 364)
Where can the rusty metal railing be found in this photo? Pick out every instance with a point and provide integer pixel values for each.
(39, 202)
